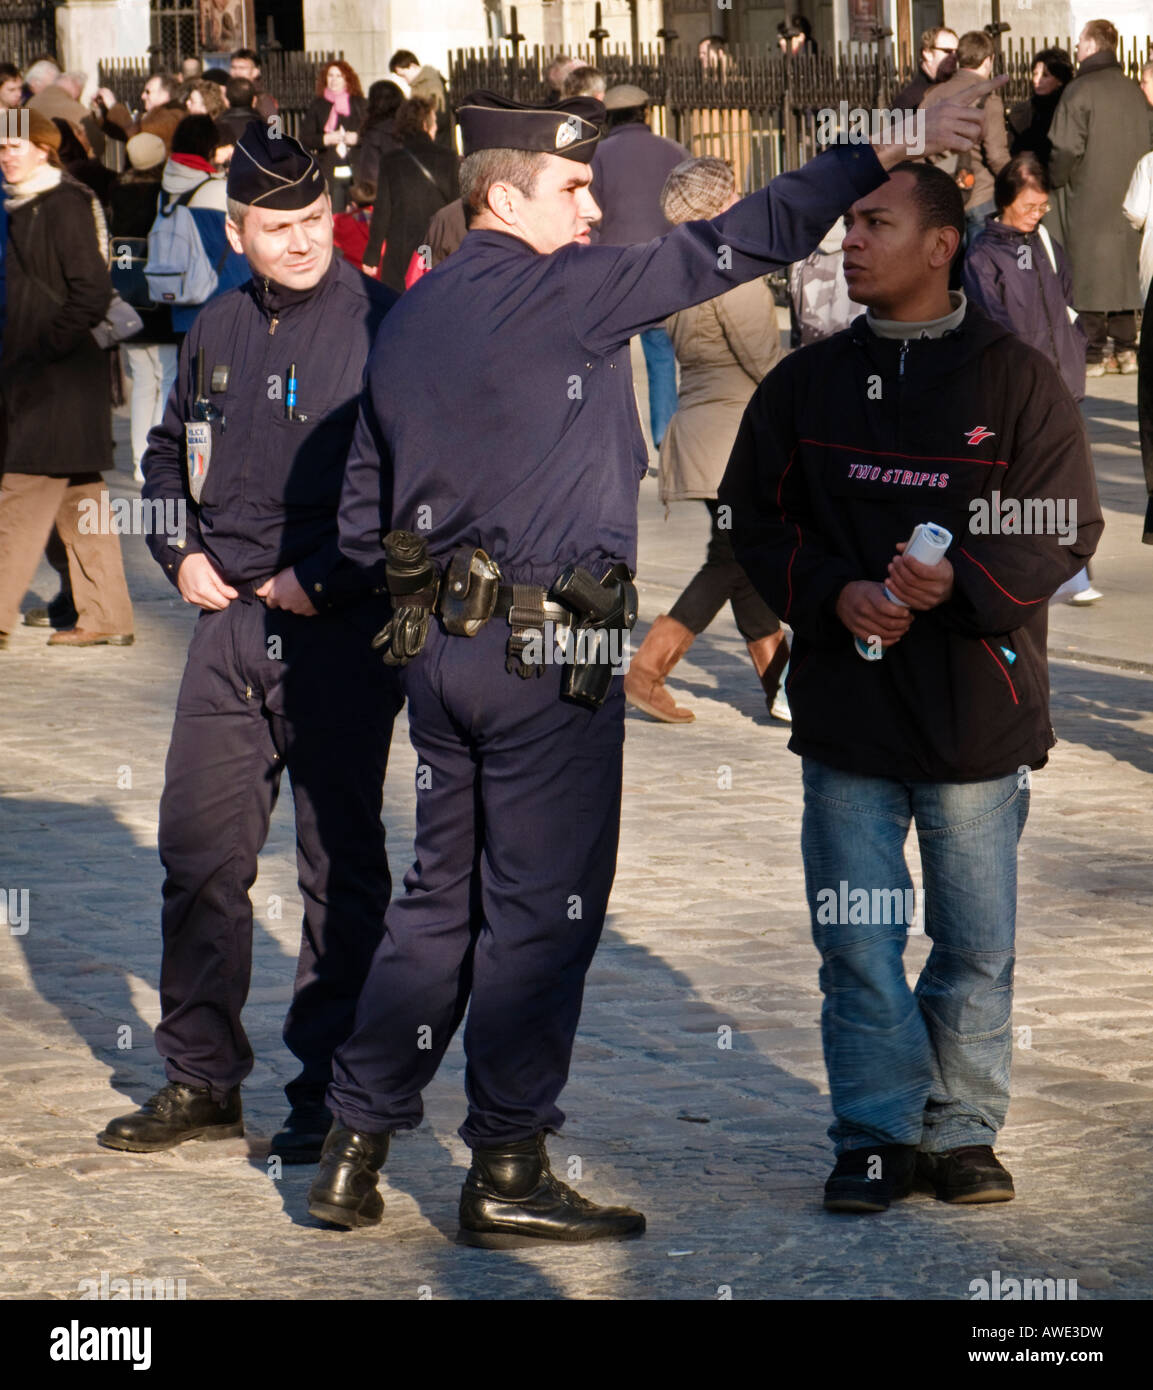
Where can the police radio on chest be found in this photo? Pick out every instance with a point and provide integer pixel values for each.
(202, 407)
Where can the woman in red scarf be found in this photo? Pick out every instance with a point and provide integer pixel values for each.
(331, 127)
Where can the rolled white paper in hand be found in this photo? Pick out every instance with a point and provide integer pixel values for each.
(927, 544)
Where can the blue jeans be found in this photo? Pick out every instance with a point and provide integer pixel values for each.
(661, 364)
(975, 221)
(930, 1066)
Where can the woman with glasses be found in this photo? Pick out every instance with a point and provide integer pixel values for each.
(1017, 274)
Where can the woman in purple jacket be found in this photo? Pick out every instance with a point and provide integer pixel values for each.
(1017, 274)
(1020, 276)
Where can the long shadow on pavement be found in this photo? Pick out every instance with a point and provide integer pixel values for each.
(1099, 709)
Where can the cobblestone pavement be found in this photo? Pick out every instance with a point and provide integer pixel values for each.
(723, 1147)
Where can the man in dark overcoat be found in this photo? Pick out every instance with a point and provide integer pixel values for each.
(1100, 130)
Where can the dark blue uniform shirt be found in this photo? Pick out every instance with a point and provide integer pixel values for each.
(499, 410)
(270, 496)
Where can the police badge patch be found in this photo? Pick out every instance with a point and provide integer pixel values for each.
(567, 132)
(198, 440)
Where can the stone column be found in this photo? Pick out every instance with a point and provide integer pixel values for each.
(89, 30)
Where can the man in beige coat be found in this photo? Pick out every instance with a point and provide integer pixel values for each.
(975, 53)
(725, 347)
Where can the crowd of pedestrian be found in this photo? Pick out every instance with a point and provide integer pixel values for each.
(388, 169)
(948, 303)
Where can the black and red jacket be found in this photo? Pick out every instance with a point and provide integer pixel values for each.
(843, 449)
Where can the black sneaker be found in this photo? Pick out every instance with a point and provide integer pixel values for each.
(173, 1115)
(969, 1174)
(869, 1179)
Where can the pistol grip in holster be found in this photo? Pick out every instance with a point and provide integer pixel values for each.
(610, 606)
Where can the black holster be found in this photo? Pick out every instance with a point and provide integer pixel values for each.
(603, 609)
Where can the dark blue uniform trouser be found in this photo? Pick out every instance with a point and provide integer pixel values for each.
(518, 817)
(264, 690)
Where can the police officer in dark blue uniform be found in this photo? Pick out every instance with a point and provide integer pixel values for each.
(280, 673)
(499, 445)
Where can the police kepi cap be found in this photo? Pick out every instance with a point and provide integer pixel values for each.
(273, 171)
(568, 128)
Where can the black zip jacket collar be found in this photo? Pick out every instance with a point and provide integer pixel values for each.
(275, 300)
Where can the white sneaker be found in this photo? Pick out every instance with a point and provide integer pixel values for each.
(779, 709)
(1086, 596)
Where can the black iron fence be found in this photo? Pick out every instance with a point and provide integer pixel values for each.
(27, 31)
(757, 109)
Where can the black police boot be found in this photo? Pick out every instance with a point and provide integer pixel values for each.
(174, 1114)
(970, 1174)
(344, 1189)
(869, 1179)
(301, 1137)
(511, 1198)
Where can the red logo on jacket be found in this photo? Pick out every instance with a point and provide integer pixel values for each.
(977, 433)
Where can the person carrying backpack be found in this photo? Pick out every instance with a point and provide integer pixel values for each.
(177, 265)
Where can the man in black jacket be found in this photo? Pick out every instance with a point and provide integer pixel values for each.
(938, 64)
(922, 411)
(280, 673)
(240, 112)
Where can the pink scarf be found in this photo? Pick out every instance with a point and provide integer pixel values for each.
(340, 107)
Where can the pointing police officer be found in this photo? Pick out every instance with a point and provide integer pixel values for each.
(499, 443)
(280, 673)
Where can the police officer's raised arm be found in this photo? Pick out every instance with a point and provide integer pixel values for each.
(614, 292)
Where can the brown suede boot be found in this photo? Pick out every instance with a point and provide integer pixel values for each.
(666, 643)
(770, 657)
